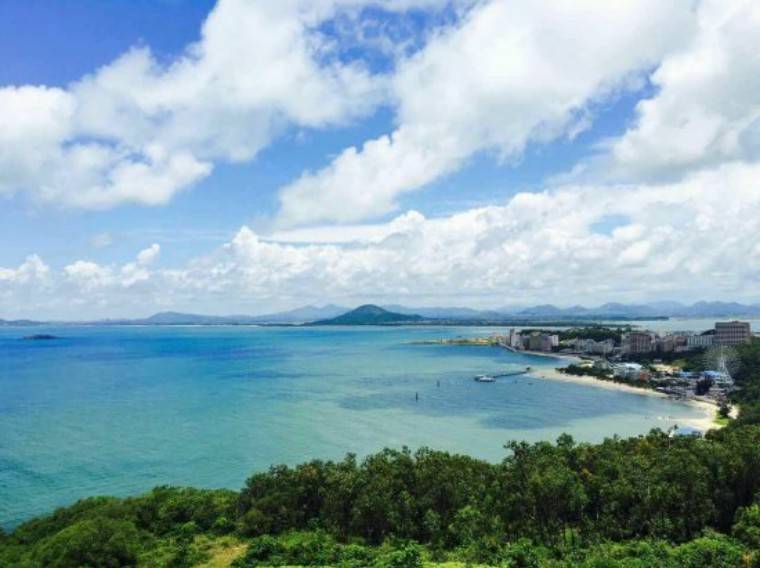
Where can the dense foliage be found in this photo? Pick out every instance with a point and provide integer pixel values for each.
(654, 500)
(592, 331)
(656, 496)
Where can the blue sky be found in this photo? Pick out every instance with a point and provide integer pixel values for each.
(327, 121)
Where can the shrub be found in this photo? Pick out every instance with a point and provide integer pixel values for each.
(97, 543)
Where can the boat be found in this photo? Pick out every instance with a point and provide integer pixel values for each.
(485, 379)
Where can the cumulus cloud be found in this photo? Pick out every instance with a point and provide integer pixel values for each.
(542, 246)
(32, 270)
(148, 255)
(538, 247)
(84, 276)
(138, 130)
(511, 74)
(706, 109)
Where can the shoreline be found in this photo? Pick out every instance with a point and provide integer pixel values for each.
(708, 409)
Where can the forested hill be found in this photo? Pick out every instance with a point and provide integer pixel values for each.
(370, 315)
(655, 500)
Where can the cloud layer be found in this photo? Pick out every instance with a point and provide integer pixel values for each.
(678, 240)
(139, 131)
(707, 106)
(682, 180)
(513, 73)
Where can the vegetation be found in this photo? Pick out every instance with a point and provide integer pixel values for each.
(654, 500)
(370, 315)
(602, 375)
(591, 331)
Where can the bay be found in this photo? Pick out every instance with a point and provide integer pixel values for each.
(118, 410)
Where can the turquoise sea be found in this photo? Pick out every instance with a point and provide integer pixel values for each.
(118, 410)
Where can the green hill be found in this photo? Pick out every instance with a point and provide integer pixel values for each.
(370, 314)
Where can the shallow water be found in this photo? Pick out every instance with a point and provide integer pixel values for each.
(118, 410)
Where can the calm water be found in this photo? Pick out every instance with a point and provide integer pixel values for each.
(119, 410)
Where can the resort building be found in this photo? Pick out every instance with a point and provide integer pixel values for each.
(699, 341)
(732, 333)
(630, 372)
(596, 347)
(637, 342)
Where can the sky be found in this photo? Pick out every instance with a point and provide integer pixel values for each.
(248, 156)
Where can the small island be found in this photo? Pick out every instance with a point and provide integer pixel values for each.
(40, 337)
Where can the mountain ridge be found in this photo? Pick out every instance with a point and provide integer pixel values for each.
(370, 314)
(312, 313)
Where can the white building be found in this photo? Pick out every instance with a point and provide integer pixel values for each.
(630, 372)
(699, 341)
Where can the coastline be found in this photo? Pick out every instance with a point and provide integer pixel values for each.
(709, 409)
(703, 423)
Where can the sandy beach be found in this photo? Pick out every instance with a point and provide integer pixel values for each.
(708, 409)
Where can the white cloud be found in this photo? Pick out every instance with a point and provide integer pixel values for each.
(707, 106)
(148, 255)
(32, 270)
(139, 131)
(536, 248)
(88, 276)
(512, 73)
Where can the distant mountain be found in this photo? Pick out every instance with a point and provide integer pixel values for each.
(654, 309)
(303, 314)
(714, 309)
(370, 314)
(176, 318)
(448, 313)
(544, 310)
(19, 323)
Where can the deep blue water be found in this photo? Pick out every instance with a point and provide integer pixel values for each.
(118, 410)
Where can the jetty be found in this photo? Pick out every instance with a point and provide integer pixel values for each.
(486, 378)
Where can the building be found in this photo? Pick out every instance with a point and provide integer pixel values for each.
(548, 342)
(666, 344)
(630, 372)
(537, 341)
(602, 365)
(515, 340)
(596, 347)
(732, 333)
(534, 341)
(638, 342)
(699, 341)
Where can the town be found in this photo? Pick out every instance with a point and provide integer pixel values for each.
(683, 364)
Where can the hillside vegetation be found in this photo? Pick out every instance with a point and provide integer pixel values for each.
(370, 315)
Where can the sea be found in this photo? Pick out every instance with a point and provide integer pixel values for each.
(118, 410)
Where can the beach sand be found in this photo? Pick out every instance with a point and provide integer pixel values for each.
(703, 423)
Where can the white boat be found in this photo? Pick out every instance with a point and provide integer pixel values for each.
(485, 379)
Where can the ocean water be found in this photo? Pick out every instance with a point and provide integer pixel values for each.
(118, 410)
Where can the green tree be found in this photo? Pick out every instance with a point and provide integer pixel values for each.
(97, 543)
(747, 526)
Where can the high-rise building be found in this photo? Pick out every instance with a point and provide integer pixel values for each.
(638, 342)
(732, 333)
